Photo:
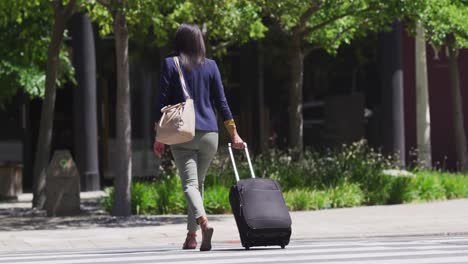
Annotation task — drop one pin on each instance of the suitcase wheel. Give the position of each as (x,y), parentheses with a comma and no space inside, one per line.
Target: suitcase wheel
(283,246)
(247,247)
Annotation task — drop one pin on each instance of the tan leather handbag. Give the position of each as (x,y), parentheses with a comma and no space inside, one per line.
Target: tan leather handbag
(177,123)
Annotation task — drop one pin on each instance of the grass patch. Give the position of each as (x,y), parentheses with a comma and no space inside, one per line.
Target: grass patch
(217,200)
(424,188)
(165,196)
(305,199)
(346,195)
(399,187)
(159,197)
(453,185)
(342,195)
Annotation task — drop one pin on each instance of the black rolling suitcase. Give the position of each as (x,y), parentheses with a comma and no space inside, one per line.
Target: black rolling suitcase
(259,209)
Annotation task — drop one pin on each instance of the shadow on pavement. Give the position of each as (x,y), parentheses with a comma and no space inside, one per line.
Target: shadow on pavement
(20,219)
(243,249)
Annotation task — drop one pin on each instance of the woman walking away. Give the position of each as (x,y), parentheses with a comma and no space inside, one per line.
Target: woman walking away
(192,158)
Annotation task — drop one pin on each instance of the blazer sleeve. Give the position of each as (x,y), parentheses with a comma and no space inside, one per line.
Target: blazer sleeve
(163,91)
(219,97)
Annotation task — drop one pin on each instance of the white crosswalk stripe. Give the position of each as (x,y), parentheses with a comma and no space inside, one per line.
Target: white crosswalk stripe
(446,250)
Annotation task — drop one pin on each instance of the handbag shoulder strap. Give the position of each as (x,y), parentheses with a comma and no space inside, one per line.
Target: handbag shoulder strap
(181,77)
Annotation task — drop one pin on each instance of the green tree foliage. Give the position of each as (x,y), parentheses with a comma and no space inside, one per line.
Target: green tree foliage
(223,23)
(446,26)
(26,33)
(446,22)
(140,15)
(325,24)
(33,52)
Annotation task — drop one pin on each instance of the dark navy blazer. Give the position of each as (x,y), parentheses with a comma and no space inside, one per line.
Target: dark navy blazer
(205,88)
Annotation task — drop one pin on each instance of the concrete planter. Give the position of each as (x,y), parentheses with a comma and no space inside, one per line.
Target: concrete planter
(63,186)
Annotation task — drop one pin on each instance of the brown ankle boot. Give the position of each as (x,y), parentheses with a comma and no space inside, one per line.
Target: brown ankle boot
(190,241)
(207,234)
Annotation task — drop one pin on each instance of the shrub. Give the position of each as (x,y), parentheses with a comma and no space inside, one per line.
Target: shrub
(424,188)
(304,199)
(221,172)
(217,200)
(350,175)
(108,199)
(456,186)
(280,167)
(342,195)
(346,195)
(354,163)
(297,200)
(164,196)
(400,187)
(358,163)
(143,198)
(158,197)
(169,196)
(321,200)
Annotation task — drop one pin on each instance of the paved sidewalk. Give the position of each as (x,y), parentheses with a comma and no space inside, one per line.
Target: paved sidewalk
(22,229)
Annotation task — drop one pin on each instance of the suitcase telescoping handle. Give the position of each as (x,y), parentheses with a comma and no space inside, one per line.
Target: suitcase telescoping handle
(234,162)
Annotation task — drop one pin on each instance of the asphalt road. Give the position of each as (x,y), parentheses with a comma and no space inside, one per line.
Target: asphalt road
(388,250)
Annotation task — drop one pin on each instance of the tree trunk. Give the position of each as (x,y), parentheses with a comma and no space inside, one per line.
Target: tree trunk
(295,98)
(123,173)
(423,117)
(457,110)
(47,115)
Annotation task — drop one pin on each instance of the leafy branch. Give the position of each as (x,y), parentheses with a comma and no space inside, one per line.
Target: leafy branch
(333,19)
(314,8)
(337,36)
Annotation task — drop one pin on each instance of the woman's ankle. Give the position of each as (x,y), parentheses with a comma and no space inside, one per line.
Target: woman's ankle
(203,222)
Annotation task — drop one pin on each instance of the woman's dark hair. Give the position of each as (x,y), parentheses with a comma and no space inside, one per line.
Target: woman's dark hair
(189,44)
